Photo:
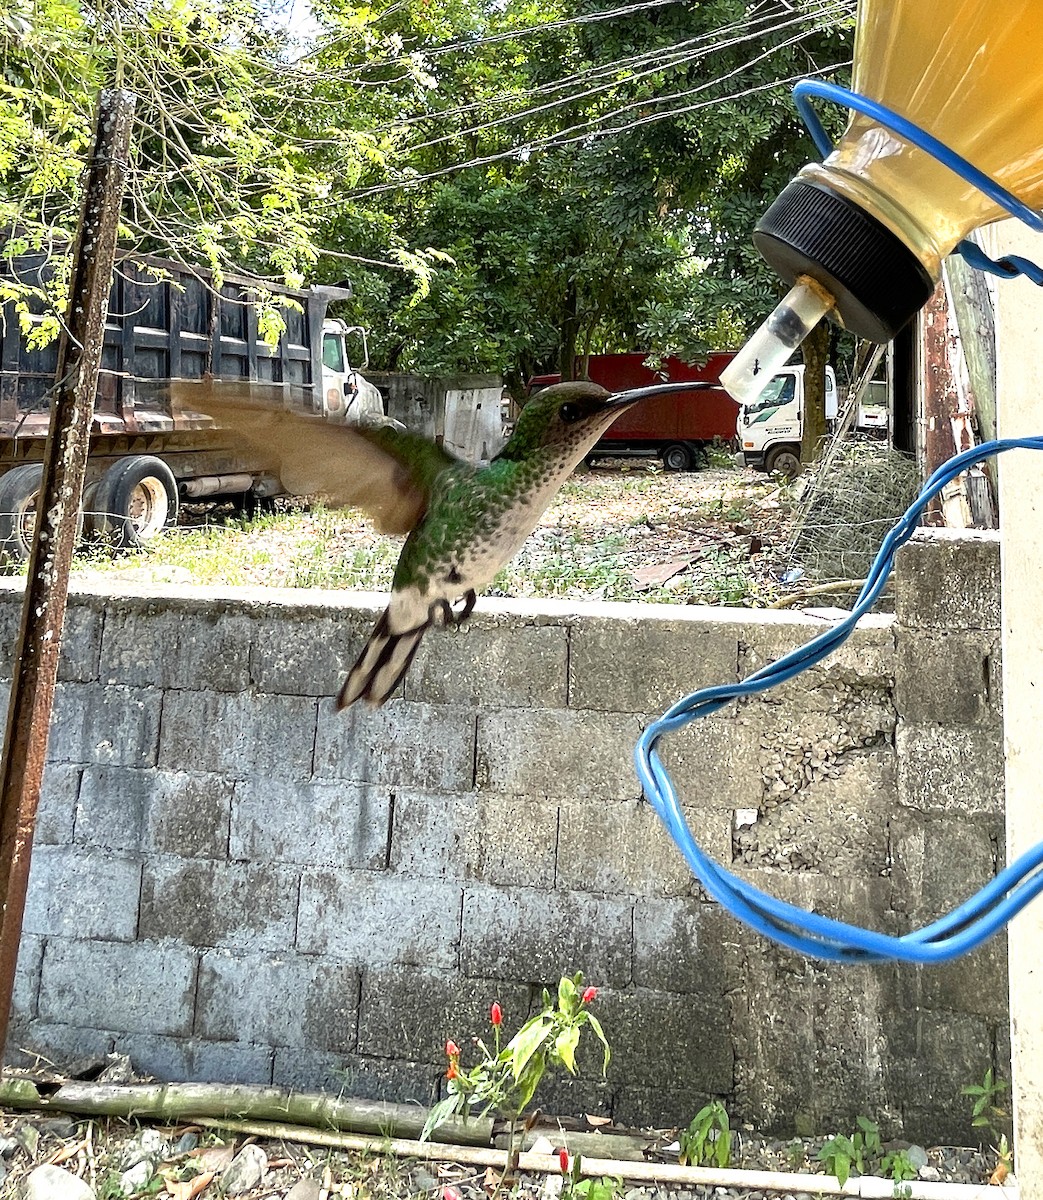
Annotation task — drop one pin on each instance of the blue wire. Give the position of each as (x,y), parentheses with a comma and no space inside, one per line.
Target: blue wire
(972,253)
(967,926)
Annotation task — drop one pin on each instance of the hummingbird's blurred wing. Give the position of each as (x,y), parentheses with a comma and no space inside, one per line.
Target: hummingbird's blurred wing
(385,471)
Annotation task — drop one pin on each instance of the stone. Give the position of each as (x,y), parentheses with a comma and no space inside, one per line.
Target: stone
(245,1171)
(55,1183)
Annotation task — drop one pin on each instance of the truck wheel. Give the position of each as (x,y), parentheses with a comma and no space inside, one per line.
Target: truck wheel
(676,457)
(784,459)
(19,489)
(135,500)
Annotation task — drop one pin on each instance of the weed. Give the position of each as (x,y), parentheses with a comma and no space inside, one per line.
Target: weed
(594,1187)
(843,1156)
(796,1155)
(988,1114)
(708,1139)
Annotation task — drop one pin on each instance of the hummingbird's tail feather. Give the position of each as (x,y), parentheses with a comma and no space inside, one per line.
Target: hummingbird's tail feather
(382,663)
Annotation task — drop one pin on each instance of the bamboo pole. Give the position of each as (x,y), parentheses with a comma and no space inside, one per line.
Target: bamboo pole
(869,1187)
(176,1101)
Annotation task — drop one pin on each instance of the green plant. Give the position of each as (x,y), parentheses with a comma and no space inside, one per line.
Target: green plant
(506,1076)
(840,1155)
(897,1165)
(988,1114)
(863,1150)
(796,1155)
(708,1139)
(593,1187)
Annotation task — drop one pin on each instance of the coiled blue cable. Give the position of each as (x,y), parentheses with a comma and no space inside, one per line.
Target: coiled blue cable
(810,933)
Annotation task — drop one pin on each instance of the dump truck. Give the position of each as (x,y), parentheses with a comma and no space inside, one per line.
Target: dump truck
(168,322)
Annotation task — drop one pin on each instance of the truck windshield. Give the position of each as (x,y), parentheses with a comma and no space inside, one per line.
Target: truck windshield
(778,392)
(333,351)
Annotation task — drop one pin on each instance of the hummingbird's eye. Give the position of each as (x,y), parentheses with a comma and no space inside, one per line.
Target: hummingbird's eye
(570,413)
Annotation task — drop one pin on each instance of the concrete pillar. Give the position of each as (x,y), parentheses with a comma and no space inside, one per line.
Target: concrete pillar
(1019,334)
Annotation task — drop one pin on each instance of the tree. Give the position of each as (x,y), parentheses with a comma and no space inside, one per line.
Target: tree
(617,167)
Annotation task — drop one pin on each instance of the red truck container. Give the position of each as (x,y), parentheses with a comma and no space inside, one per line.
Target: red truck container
(676,427)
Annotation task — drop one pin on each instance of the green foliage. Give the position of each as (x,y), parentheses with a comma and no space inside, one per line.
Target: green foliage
(505,1077)
(593,1187)
(708,1139)
(863,1152)
(987,1113)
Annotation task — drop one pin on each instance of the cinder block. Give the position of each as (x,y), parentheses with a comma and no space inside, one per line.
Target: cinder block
(159,811)
(60,1044)
(975,983)
(408,1014)
(177,1060)
(685,946)
(944,678)
(474,836)
(492,659)
(375,920)
(933,1056)
(676,1043)
(117,725)
(81,641)
(188,814)
(949,579)
(646,661)
(357,1076)
(316,822)
(204,647)
(277,1000)
(81,634)
(939,863)
(420,746)
(27,977)
(306,650)
(56,815)
(557,753)
(238,735)
(714,763)
(136,987)
(85,893)
(866,658)
(524,934)
(248,906)
(950,771)
(618,848)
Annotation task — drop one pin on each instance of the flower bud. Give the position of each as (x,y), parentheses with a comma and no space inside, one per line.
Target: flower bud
(452,1050)
(496,1014)
(452,1072)
(589,994)
(563,1160)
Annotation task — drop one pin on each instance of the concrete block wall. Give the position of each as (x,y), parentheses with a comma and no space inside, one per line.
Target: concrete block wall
(232,881)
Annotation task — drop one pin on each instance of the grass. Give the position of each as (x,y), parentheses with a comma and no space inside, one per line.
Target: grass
(601,528)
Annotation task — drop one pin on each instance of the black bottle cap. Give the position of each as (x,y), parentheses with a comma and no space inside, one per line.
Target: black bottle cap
(876,280)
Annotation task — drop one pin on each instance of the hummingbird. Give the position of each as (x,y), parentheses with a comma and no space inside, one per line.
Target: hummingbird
(462,522)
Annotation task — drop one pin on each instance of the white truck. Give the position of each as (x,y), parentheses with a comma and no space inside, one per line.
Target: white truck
(769,431)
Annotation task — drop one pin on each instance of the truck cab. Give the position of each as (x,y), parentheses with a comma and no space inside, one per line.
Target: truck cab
(347,398)
(769,431)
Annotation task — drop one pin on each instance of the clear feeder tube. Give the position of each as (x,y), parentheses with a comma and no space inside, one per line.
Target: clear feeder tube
(751,370)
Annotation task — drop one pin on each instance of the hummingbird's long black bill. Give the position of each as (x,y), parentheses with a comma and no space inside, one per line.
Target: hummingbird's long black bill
(633,395)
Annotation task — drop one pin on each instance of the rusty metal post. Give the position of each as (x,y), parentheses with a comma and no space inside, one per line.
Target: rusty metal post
(65,459)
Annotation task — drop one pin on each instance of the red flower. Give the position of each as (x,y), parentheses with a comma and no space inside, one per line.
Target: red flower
(452,1072)
(590,993)
(496,1014)
(452,1050)
(563,1159)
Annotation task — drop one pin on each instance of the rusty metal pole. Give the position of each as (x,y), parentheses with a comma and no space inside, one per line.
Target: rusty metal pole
(65,459)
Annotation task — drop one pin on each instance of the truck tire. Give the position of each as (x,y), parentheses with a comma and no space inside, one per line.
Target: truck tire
(676,457)
(19,489)
(135,500)
(784,459)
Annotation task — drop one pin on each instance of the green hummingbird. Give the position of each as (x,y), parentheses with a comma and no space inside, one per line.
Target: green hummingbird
(463,522)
